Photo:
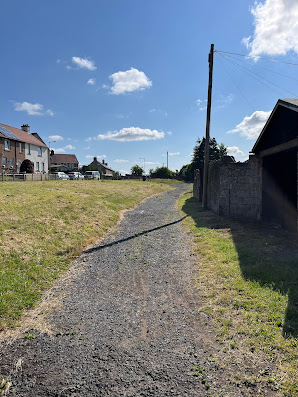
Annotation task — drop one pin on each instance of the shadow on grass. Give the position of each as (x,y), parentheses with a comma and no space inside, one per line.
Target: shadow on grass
(100,247)
(266,255)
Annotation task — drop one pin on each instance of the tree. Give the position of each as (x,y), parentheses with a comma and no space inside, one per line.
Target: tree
(186,172)
(116,175)
(136,170)
(216,152)
(162,172)
(27,166)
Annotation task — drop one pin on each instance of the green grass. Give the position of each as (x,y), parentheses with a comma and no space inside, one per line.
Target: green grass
(170,181)
(44,225)
(248,280)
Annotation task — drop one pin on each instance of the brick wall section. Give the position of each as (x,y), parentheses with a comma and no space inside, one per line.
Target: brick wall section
(13,153)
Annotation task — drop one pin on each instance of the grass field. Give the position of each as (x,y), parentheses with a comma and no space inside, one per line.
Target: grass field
(44,225)
(248,279)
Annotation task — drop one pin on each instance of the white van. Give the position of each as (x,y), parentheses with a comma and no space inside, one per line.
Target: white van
(92,175)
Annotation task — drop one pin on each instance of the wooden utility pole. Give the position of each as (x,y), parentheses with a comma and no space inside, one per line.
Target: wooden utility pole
(167,159)
(206,154)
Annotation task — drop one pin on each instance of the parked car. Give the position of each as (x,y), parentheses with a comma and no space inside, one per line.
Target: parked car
(92,175)
(75,175)
(59,175)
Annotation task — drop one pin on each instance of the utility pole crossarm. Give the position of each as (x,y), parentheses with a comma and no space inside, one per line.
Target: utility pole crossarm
(206,154)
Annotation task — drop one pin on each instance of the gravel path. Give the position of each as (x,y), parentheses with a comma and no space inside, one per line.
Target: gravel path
(128,323)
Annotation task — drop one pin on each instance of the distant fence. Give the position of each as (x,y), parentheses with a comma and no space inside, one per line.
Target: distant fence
(23,177)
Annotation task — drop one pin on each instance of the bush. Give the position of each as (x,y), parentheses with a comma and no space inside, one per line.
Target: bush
(27,166)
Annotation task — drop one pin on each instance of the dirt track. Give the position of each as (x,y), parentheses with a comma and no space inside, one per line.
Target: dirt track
(127,325)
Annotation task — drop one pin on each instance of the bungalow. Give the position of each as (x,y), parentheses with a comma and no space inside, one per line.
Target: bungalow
(17,145)
(102,167)
(63,162)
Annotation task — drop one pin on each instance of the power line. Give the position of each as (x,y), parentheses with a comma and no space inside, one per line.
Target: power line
(253,73)
(253,109)
(261,67)
(256,57)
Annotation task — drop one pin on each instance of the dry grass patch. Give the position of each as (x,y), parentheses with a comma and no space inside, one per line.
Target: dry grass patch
(248,280)
(44,225)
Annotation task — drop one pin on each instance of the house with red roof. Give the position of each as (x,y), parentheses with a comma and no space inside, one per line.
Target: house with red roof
(17,145)
(101,166)
(63,162)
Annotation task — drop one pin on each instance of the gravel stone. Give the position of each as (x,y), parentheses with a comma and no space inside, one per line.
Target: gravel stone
(129,323)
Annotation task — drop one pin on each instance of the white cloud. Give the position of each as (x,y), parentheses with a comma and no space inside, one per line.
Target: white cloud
(223,101)
(174,154)
(89,139)
(121,161)
(132,134)
(276,28)
(33,109)
(152,162)
(59,150)
(123,116)
(123,172)
(56,138)
(128,81)
(91,82)
(163,112)
(202,104)
(49,112)
(251,126)
(234,151)
(84,63)
(89,156)
(64,149)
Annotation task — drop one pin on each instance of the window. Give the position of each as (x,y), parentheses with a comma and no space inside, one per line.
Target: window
(20,147)
(29,149)
(39,151)
(37,166)
(42,167)
(11,163)
(6,144)
(4,162)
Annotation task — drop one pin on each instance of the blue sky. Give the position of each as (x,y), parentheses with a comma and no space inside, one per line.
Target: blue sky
(127,80)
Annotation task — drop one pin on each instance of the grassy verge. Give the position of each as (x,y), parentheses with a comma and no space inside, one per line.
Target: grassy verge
(171,181)
(248,279)
(44,225)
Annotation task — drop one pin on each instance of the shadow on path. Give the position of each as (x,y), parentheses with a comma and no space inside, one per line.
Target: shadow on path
(97,248)
(268,256)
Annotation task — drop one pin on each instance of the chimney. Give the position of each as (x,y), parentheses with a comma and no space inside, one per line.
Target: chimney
(103,161)
(26,128)
(94,158)
(52,153)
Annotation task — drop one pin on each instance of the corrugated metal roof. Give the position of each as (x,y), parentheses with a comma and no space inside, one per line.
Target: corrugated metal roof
(292,101)
(4,131)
